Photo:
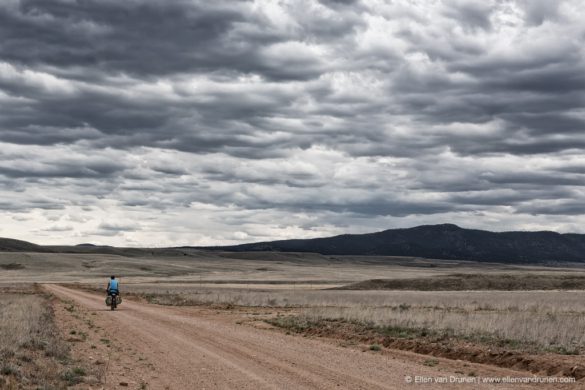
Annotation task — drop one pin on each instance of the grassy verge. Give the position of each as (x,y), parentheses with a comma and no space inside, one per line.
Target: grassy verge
(367,332)
(482,348)
(32,353)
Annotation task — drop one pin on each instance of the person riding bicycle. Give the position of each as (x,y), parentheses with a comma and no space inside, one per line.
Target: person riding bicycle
(113,286)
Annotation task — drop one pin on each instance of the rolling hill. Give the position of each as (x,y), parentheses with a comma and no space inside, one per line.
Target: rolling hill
(10,245)
(444,241)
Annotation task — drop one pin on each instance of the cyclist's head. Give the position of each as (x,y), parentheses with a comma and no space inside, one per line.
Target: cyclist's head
(112,277)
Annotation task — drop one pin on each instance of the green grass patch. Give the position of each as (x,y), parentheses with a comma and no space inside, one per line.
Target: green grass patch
(430,362)
(73,376)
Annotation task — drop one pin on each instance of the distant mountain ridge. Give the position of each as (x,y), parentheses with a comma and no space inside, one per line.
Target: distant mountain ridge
(446,241)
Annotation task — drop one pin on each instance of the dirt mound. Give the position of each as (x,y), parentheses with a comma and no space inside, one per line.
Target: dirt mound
(548,364)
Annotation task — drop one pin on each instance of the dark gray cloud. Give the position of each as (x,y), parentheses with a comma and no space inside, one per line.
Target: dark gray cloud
(181,122)
(147,38)
(471,15)
(70,169)
(155,38)
(539,11)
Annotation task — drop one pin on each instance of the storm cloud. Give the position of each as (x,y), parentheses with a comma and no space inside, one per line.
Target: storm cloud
(184,122)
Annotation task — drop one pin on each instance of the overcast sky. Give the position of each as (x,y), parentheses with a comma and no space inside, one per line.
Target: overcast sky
(184,122)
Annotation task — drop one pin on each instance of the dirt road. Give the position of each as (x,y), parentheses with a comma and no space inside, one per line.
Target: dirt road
(189,348)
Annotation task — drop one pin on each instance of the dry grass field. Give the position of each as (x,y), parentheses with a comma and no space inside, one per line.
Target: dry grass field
(32,353)
(247,268)
(538,320)
(533,320)
(471,310)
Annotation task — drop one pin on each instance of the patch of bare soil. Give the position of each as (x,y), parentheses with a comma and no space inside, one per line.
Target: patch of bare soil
(451,348)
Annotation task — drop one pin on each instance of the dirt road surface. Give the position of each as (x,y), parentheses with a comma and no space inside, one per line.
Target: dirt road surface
(160,347)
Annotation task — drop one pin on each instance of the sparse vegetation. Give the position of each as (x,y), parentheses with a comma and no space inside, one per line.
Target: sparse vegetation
(31,350)
(9,369)
(430,362)
(73,376)
(521,328)
(375,347)
(12,266)
(480,348)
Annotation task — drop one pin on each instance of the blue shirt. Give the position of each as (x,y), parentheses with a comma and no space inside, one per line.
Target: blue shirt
(113,285)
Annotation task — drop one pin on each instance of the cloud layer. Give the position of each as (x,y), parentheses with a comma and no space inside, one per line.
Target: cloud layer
(195,122)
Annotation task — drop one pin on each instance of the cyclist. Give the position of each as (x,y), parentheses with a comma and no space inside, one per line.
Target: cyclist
(113,286)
